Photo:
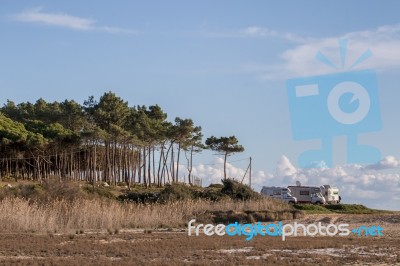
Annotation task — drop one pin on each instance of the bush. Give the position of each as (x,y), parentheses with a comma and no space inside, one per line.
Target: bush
(230,189)
(99,191)
(238,191)
(140,197)
(56,189)
(26,191)
(213,194)
(174,192)
(220,186)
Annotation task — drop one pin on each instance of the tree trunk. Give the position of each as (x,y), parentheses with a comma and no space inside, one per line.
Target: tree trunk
(226,155)
(177,161)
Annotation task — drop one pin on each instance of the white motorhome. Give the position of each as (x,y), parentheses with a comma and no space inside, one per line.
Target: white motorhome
(331,194)
(279,193)
(305,194)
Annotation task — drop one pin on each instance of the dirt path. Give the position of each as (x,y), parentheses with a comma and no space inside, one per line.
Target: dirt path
(136,247)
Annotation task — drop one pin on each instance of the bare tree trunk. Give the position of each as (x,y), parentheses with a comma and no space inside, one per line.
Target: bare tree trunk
(226,155)
(149,166)
(190,168)
(177,161)
(139,165)
(172,164)
(144,167)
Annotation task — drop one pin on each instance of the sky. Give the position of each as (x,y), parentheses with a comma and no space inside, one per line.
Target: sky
(224,64)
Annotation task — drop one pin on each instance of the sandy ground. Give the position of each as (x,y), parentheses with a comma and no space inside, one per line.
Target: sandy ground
(175,247)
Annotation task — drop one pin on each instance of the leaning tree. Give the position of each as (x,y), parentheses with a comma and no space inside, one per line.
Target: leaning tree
(224,145)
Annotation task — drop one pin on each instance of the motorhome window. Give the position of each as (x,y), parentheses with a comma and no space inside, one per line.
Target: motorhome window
(277,192)
(305,193)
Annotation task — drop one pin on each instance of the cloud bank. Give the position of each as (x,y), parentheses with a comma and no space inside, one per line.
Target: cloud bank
(370,185)
(383,42)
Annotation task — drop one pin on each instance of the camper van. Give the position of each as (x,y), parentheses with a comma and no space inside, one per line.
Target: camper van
(331,194)
(279,193)
(305,194)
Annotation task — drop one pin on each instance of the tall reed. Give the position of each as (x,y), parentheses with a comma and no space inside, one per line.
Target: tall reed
(18,214)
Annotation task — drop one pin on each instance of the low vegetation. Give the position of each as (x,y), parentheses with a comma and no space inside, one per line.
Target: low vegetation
(337,208)
(230,189)
(56,206)
(60,206)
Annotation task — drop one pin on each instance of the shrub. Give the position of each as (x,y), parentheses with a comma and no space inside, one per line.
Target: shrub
(216,186)
(140,197)
(174,192)
(213,194)
(26,191)
(238,191)
(56,189)
(99,191)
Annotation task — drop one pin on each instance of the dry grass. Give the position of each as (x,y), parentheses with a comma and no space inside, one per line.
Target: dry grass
(100,214)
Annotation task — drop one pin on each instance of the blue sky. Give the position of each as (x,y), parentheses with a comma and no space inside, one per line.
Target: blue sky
(222,63)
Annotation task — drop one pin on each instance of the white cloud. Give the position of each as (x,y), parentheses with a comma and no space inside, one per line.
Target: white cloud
(386,163)
(36,15)
(384,42)
(357,184)
(253,32)
(214,173)
(285,167)
(258,31)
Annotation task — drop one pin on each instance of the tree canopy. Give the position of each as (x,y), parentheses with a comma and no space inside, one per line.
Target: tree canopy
(224,145)
(103,140)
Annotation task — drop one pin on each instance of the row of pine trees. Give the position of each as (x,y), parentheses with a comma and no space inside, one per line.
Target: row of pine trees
(102,140)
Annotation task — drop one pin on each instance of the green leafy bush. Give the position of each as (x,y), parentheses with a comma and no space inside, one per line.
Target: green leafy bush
(238,191)
(174,192)
(140,197)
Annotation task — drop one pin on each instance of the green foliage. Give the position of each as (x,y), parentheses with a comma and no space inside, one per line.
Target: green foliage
(350,208)
(214,193)
(238,191)
(11,131)
(53,131)
(177,191)
(141,196)
(174,192)
(336,208)
(104,136)
(225,145)
(99,191)
(220,186)
(309,208)
(111,111)
(29,191)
